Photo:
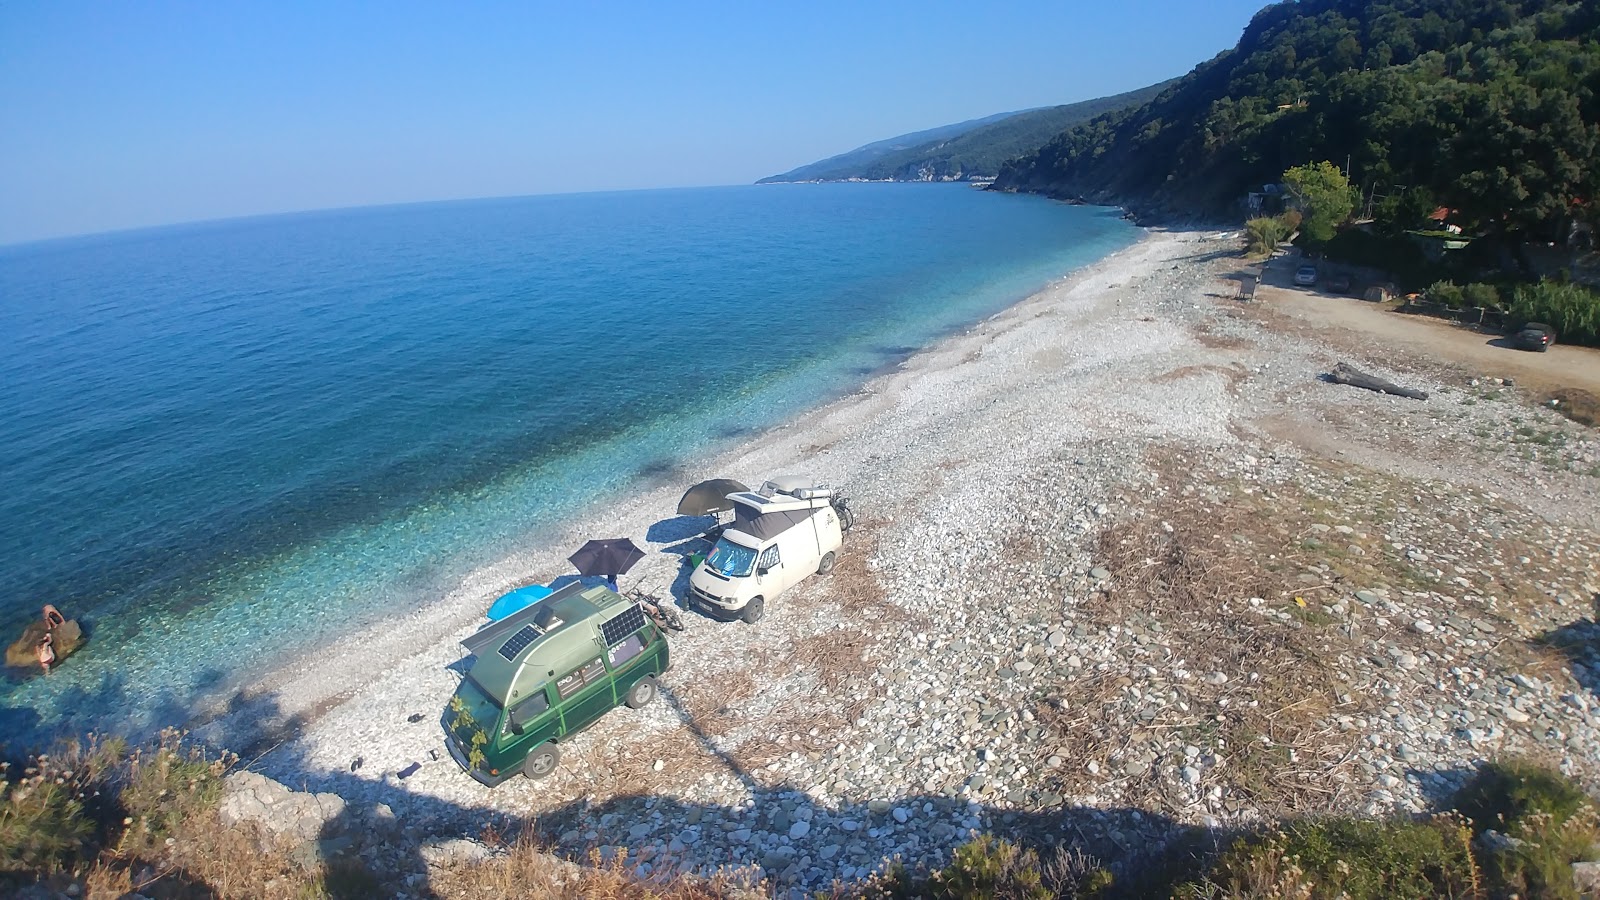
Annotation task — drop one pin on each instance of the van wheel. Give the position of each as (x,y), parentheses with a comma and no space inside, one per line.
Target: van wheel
(643,691)
(828,561)
(541,762)
(753,610)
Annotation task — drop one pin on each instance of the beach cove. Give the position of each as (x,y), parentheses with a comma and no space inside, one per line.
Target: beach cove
(991,654)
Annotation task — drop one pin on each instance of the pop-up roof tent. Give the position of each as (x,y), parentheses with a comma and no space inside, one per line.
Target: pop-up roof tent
(781,504)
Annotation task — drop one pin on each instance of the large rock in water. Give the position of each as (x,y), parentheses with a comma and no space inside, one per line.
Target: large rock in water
(251,797)
(65,639)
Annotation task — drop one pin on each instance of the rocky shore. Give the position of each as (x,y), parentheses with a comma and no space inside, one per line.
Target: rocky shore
(1125,565)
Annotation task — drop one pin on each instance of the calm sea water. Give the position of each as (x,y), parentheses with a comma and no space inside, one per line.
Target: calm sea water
(222,438)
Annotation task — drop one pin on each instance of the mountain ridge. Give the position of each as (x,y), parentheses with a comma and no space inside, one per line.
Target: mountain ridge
(963,151)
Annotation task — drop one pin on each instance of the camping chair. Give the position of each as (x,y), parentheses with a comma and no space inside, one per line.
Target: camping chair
(1247,288)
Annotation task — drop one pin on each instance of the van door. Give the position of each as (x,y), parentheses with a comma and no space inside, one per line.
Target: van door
(770,572)
(531,717)
(799,552)
(585,694)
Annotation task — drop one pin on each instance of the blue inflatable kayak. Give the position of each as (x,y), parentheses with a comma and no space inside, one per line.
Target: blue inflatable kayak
(521,598)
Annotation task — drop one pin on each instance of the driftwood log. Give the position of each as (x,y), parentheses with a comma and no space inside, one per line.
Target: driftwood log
(1346,374)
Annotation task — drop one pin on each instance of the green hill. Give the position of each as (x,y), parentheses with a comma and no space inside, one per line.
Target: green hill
(1489,106)
(962,152)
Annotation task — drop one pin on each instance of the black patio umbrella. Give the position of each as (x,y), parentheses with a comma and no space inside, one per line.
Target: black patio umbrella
(610,557)
(709,497)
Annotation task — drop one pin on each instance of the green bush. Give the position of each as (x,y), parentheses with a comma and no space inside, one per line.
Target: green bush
(1571,309)
(42,821)
(164,785)
(1535,857)
(989,867)
(1263,235)
(1480,294)
(1349,858)
(1504,792)
(1447,293)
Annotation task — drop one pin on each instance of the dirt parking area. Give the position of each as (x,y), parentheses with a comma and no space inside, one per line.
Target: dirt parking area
(1487,353)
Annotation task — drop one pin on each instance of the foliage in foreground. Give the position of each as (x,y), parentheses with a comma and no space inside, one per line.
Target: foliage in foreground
(114,819)
(1515,831)
(1571,309)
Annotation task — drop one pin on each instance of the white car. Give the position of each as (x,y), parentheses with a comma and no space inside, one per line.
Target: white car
(1305,276)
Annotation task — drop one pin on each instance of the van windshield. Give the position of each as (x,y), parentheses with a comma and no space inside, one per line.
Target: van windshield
(472,710)
(731,560)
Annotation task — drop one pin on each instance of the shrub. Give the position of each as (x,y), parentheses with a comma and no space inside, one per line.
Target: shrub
(989,867)
(1447,293)
(1535,857)
(1480,294)
(41,822)
(1505,792)
(1350,858)
(1291,220)
(1572,309)
(1263,235)
(166,785)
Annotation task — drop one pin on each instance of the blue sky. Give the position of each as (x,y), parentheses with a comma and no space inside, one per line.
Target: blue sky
(117,115)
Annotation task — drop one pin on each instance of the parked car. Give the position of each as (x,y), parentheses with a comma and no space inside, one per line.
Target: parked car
(1534,336)
(546,672)
(1305,276)
(1339,284)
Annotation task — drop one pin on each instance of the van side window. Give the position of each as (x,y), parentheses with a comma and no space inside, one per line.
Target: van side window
(620,654)
(574,682)
(769,558)
(528,710)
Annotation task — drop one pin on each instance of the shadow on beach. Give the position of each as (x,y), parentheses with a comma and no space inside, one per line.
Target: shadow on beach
(387,837)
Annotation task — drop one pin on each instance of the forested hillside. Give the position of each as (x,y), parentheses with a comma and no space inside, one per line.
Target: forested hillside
(965,151)
(1489,107)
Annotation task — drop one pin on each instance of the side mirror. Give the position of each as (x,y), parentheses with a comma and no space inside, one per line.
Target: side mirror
(763,570)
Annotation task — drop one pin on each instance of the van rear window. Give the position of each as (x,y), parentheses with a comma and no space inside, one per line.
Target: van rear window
(628,649)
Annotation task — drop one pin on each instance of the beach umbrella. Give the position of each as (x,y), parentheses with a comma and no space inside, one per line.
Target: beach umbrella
(709,497)
(610,557)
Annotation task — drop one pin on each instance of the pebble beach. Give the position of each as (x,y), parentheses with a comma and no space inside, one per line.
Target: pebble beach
(1123,565)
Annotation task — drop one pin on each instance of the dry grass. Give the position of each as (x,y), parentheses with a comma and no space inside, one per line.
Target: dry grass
(1246,576)
(1577,404)
(1234,375)
(1184,568)
(526,869)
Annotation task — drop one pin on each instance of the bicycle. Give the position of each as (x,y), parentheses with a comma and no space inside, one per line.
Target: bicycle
(662,613)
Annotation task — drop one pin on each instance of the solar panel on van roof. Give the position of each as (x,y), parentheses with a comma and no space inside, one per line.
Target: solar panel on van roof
(519,642)
(618,628)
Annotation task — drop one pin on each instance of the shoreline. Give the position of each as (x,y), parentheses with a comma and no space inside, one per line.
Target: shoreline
(236,719)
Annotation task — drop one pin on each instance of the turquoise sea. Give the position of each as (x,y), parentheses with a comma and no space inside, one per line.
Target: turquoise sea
(221,441)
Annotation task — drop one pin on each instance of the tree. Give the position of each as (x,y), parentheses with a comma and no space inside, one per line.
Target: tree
(1324,197)
(1263,235)
(1403,211)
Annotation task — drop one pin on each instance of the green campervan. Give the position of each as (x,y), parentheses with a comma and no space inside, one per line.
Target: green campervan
(544,673)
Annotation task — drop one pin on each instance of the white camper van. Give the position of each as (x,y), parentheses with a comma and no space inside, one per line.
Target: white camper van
(780,534)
